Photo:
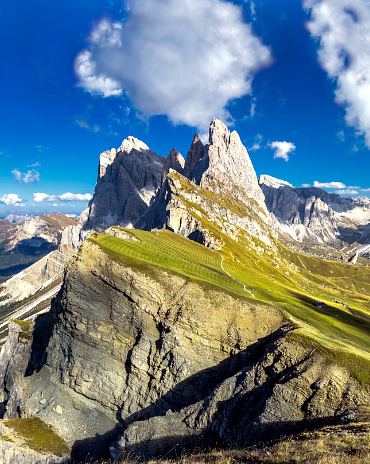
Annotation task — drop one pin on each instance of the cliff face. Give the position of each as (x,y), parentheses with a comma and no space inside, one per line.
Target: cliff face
(163,359)
(229,165)
(127,180)
(36,277)
(314,215)
(217,185)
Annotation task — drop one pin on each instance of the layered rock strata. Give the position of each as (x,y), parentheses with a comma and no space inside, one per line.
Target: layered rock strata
(314,215)
(127,180)
(145,352)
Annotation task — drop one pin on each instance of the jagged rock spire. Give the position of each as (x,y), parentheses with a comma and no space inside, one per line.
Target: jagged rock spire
(174,161)
(195,154)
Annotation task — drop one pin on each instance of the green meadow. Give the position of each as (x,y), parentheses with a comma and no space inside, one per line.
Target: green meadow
(290,280)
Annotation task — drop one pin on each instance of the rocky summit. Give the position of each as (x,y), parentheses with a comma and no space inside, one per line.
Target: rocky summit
(199,327)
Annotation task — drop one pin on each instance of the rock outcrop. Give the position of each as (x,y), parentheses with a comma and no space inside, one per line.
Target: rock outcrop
(314,215)
(229,166)
(127,181)
(36,277)
(142,354)
(174,161)
(285,387)
(221,187)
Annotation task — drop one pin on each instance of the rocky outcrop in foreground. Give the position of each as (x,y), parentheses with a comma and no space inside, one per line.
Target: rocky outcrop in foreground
(154,360)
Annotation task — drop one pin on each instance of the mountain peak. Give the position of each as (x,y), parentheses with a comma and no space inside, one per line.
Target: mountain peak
(174,161)
(273,182)
(229,164)
(131,143)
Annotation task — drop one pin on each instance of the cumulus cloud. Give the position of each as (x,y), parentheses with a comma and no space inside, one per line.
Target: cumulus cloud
(26,177)
(282,149)
(186,60)
(11,199)
(40,197)
(329,185)
(306,185)
(342,29)
(346,192)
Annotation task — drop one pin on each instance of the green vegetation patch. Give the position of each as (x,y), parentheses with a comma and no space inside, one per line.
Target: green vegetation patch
(248,268)
(38,436)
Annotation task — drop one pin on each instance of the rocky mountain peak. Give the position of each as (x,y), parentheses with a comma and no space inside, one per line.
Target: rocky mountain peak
(132,143)
(195,154)
(174,161)
(127,181)
(273,182)
(105,159)
(229,164)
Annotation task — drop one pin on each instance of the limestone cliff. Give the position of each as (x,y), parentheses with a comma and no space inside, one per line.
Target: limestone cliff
(36,277)
(164,359)
(127,180)
(217,185)
(314,215)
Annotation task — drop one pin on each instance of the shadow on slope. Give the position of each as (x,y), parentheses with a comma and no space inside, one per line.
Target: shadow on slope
(236,418)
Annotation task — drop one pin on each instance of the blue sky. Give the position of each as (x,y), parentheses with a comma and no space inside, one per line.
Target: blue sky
(77,77)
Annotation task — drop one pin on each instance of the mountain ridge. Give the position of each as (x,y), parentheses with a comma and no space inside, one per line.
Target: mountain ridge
(158,343)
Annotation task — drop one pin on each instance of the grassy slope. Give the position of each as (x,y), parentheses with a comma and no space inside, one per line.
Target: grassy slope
(250,269)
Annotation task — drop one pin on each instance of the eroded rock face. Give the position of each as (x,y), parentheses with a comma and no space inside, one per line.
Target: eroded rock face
(285,387)
(314,215)
(174,161)
(187,209)
(229,165)
(37,276)
(160,360)
(219,186)
(127,181)
(128,345)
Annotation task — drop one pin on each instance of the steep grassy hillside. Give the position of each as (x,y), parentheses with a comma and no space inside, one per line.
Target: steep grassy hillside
(280,277)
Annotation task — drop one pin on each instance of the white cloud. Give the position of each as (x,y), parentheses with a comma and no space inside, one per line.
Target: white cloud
(282,149)
(17,174)
(26,177)
(186,60)
(342,28)
(40,197)
(329,185)
(256,146)
(11,199)
(306,185)
(346,192)
(75,197)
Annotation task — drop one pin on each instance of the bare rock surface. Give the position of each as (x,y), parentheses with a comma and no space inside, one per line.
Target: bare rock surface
(37,276)
(274,395)
(229,165)
(127,181)
(219,183)
(314,215)
(174,161)
(162,361)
